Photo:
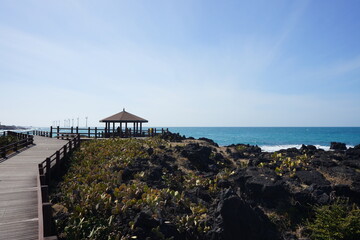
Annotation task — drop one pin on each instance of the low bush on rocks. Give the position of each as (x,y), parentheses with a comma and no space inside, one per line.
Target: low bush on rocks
(338,221)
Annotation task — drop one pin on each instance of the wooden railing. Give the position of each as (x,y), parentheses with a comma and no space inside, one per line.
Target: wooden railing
(49,169)
(24,140)
(67,133)
(40,133)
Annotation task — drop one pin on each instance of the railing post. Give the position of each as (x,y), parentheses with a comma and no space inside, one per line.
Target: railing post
(41,169)
(48,169)
(44,193)
(51,131)
(41,175)
(95,132)
(70,146)
(65,150)
(57,132)
(78,140)
(15,147)
(89,132)
(47,212)
(57,161)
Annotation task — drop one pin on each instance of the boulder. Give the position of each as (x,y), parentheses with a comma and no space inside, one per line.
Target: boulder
(265,188)
(143,225)
(261,184)
(209,141)
(353,152)
(172,137)
(238,220)
(155,174)
(310,149)
(170,231)
(199,156)
(150,151)
(312,177)
(243,150)
(337,146)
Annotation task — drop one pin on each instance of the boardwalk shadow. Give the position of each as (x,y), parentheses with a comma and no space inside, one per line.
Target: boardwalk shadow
(13,154)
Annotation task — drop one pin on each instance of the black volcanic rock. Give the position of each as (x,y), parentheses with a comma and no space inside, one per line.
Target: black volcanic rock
(199,156)
(312,177)
(337,146)
(238,220)
(209,141)
(172,137)
(309,149)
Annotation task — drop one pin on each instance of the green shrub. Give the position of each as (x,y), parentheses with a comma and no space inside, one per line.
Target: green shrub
(287,165)
(6,140)
(337,221)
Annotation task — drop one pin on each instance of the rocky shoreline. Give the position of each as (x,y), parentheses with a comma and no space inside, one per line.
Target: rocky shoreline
(231,192)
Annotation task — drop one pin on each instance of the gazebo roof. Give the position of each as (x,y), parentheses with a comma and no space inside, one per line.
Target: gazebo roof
(123,117)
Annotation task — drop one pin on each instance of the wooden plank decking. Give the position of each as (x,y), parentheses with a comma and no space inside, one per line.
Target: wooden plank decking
(18,189)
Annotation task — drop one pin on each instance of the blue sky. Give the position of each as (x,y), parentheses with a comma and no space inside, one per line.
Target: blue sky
(181,63)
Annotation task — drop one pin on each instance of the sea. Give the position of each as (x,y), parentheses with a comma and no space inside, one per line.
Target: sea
(272,139)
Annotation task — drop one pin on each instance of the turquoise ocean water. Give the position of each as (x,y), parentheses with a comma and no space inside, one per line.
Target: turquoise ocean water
(273,138)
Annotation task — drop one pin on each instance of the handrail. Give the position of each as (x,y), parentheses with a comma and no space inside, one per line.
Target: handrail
(25,140)
(65,133)
(41,133)
(47,170)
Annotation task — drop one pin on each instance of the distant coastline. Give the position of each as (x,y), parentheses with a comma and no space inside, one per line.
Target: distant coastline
(13,127)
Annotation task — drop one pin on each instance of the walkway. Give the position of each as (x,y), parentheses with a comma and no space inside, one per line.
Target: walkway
(18,190)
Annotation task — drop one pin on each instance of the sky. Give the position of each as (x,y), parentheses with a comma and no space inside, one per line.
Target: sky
(181,63)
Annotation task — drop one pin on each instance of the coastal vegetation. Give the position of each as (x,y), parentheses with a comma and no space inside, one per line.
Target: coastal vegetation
(337,221)
(6,140)
(178,188)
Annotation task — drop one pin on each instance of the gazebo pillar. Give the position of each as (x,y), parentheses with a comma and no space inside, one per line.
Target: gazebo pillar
(120,129)
(140,128)
(126,130)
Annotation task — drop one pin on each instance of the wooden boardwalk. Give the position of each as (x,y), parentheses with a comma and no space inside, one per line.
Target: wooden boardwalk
(18,190)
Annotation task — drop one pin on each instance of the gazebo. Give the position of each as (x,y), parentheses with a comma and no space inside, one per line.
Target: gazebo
(123,117)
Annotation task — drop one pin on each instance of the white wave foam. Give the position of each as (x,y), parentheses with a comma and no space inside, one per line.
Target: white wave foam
(274,148)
